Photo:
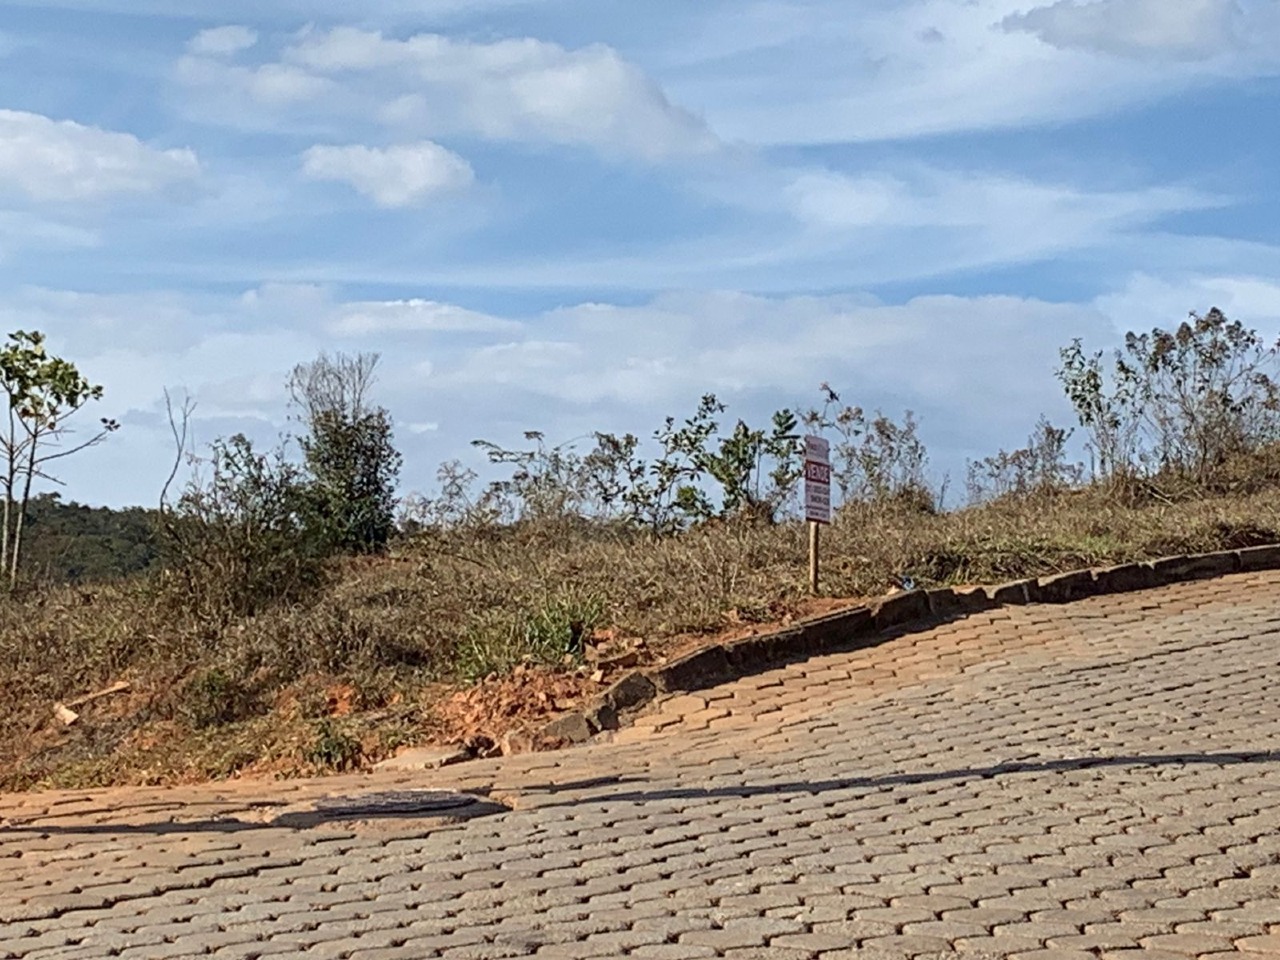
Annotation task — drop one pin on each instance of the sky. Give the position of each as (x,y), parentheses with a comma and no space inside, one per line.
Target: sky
(581,215)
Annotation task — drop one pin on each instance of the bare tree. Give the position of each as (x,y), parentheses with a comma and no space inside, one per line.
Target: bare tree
(334,384)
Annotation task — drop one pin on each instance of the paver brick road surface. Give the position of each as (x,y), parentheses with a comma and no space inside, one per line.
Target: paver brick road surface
(1091,780)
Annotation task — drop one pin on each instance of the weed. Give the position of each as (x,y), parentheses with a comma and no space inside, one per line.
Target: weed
(212,697)
(1176,403)
(552,632)
(1039,469)
(332,747)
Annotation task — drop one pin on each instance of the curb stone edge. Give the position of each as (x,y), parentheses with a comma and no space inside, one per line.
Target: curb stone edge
(870,625)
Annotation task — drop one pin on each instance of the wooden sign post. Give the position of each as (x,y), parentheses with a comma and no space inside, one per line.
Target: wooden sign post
(815,539)
(817,498)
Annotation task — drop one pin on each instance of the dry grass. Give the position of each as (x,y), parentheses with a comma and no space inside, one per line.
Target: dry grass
(365,664)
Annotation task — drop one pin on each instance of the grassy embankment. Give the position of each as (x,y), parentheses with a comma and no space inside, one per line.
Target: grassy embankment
(397,650)
(255,643)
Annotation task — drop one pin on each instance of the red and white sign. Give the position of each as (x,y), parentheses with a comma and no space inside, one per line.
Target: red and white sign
(817,479)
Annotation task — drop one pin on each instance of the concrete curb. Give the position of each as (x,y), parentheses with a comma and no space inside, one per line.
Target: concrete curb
(869,626)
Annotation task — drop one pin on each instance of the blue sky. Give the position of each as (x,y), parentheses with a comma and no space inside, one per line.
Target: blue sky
(565,215)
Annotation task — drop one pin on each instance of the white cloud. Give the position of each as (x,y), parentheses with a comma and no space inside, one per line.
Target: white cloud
(283,11)
(137,344)
(1190,29)
(508,90)
(287,303)
(223,41)
(276,84)
(814,228)
(21,230)
(163,325)
(678,345)
(51,160)
(835,200)
(388,316)
(567,371)
(395,177)
(1147,300)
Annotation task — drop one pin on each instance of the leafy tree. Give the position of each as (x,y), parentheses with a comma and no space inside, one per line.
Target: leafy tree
(348,451)
(1108,411)
(738,464)
(671,495)
(547,483)
(611,470)
(1208,391)
(44,393)
(755,470)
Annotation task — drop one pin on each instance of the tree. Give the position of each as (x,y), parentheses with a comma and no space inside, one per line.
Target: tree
(738,464)
(44,393)
(348,451)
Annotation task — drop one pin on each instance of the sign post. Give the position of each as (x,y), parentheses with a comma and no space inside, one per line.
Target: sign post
(817,498)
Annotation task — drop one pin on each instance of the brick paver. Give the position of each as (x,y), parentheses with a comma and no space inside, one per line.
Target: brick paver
(1094,780)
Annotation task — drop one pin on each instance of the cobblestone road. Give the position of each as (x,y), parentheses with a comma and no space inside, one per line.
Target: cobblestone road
(1059,782)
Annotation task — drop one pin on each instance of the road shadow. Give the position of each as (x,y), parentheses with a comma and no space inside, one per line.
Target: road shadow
(484,807)
(959,774)
(246,822)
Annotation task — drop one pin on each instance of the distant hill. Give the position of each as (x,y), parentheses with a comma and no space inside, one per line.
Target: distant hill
(74,543)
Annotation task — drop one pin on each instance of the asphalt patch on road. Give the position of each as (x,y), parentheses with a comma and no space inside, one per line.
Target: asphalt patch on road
(391,807)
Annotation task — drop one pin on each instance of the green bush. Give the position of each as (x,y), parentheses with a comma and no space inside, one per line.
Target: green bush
(239,539)
(332,747)
(350,460)
(213,697)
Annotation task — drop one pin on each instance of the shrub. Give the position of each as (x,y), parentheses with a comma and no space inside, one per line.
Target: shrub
(1038,469)
(1178,403)
(213,697)
(874,459)
(550,632)
(332,747)
(238,538)
(696,476)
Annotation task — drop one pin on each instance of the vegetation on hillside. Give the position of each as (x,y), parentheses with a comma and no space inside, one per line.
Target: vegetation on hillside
(286,626)
(78,544)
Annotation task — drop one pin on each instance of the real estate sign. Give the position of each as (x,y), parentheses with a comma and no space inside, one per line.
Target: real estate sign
(817,480)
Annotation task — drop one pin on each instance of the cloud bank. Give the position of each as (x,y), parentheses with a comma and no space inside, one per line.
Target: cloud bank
(432,85)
